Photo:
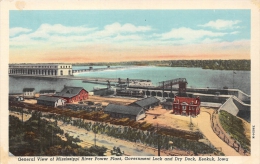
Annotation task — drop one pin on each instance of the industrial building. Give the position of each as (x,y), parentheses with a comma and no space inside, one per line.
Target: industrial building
(122,111)
(72,94)
(47,92)
(146,103)
(51,101)
(41,69)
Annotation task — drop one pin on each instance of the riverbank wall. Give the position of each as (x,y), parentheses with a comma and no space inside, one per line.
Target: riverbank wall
(237,108)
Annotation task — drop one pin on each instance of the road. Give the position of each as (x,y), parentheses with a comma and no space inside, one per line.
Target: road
(203,122)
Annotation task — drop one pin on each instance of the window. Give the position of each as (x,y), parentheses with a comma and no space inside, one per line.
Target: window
(61,72)
(183,107)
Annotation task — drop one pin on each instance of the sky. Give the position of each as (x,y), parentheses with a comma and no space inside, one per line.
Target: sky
(83,36)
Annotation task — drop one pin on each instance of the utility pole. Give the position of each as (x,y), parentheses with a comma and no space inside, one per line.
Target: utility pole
(190,119)
(22,115)
(158,142)
(95,130)
(95,139)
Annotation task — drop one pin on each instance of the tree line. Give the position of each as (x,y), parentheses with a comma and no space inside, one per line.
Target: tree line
(205,64)
(214,64)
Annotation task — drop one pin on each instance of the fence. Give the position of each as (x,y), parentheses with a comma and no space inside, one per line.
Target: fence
(219,131)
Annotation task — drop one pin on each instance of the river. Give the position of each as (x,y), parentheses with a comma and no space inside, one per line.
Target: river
(196,77)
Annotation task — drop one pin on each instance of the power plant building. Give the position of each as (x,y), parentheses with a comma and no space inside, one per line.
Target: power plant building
(41,69)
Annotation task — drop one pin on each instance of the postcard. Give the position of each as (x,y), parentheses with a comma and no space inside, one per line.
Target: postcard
(129,81)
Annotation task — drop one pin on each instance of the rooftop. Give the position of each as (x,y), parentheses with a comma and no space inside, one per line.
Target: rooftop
(131,110)
(69,91)
(48,98)
(47,91)
(28,89)
(146,101)
(187,100)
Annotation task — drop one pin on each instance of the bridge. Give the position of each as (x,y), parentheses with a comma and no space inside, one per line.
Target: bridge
(92,69)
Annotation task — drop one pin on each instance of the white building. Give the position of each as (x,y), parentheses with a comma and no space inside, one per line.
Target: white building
(29,93)
(41,69)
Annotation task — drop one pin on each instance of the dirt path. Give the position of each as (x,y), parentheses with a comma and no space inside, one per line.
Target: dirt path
(205,127)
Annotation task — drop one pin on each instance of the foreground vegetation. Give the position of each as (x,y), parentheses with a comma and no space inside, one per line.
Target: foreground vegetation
(39,137)
(150,138)
(234,127)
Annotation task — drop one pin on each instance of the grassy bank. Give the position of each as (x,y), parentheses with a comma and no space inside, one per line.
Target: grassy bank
(234,126)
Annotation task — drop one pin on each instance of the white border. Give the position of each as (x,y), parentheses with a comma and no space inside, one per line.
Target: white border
(6,5)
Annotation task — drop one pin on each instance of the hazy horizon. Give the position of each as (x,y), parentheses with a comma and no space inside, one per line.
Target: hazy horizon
(122,61)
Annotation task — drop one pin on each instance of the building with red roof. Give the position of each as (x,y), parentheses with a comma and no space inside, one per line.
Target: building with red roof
(186,106)
(72,94)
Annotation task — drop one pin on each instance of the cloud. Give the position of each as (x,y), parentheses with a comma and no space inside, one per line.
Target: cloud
(187,35)
(117,28)
(234,33)
(127,37)
(208,40)
(222,24)
(121,35)
(47,30)
(17,30)
(59,34)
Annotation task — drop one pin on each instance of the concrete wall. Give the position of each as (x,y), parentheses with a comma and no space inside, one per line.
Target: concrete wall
(242,106)
(211,98)
(230,107)
(240,95)
(237,108)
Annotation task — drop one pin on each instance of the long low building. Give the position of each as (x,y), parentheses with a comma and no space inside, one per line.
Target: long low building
(51,101)
(47,92)
(122,111)
(41,69)
(146,103)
